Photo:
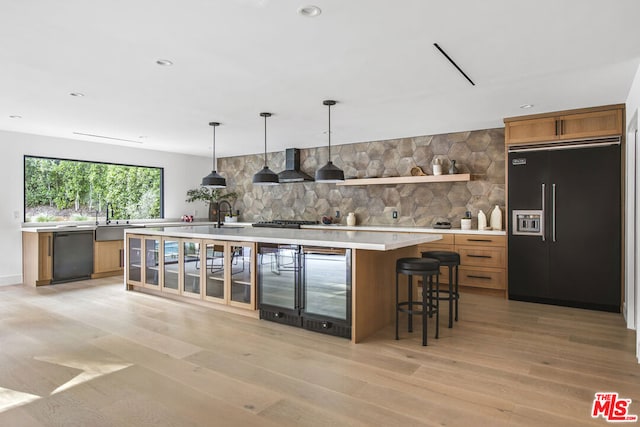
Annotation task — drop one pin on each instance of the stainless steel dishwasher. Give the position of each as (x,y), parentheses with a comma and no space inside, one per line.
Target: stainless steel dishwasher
(72,255)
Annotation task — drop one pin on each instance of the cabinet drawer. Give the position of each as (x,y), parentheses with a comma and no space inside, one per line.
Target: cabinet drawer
(431,247)
(447,239)
(479,240)
(482,277)
(482,257)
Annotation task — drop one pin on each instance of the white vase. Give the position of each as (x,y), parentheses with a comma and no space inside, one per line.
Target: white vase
(482,220)
(496,218)
(351,219)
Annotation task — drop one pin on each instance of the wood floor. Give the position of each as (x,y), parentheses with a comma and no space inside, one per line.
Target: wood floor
(92,354)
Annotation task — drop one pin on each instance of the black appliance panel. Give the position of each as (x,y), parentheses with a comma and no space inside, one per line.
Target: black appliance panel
(578,263)
(528,255)
(72,256)
(584,229)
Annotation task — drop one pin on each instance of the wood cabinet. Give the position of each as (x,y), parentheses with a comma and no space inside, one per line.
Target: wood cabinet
(108,258)
(37,258)
(567,125)
(134,259)
(216,271)
(482,259)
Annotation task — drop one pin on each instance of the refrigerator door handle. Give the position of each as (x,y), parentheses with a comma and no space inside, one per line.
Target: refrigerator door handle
(553,212)
(542,216)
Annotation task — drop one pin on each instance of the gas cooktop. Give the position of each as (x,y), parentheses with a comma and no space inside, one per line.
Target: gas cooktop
(284,223)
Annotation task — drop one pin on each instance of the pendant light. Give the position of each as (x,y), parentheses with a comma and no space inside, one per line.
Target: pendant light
(214,180)
(329,173)
(265,176)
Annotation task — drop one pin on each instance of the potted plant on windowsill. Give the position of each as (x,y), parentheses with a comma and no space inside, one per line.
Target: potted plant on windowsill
(212,196)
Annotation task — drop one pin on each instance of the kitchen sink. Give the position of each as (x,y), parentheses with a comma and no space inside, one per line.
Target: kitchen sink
(112,232)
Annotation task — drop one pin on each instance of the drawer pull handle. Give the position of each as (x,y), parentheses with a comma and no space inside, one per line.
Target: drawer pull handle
(479,240)
(479,256)
(471,276)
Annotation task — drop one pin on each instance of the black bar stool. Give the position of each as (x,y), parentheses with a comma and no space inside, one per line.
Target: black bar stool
(427,268)
(452,260)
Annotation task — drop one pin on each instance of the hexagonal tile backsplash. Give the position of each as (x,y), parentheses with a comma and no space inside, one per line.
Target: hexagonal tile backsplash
(480,153)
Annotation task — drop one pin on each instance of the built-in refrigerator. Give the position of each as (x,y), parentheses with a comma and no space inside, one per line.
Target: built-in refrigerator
(306,286)
(564,224)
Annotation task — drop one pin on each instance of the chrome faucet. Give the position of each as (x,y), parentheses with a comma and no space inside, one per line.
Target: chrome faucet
(109,205)
(220,211)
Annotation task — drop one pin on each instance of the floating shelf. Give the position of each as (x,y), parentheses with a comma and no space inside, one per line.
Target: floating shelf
(408,179)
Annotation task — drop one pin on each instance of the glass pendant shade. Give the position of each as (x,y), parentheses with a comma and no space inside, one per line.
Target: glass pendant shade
(214,179)
(329,173)
(265,176)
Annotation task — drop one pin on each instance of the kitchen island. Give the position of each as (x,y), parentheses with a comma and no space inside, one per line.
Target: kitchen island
(175,262)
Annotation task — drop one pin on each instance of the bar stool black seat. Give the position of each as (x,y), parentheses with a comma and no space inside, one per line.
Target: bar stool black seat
(452,260)
(427,268)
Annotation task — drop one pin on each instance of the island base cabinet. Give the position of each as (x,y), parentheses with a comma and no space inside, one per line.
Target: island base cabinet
(211,271)
(170,266)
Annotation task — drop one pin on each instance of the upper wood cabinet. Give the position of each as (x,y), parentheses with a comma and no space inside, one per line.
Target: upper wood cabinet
(565,125)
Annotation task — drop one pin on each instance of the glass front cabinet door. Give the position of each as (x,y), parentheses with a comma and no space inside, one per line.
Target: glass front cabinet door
(134,260)
(241,262)
(215,272)
(151,262)
(191,268)
(170,278)
(229,271)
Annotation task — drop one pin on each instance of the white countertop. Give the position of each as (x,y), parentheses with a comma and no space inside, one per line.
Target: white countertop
(90,227)
(328,236)
(336,227)
(404,229)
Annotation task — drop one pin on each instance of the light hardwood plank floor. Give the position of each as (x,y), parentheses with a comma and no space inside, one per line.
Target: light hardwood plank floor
(92,354)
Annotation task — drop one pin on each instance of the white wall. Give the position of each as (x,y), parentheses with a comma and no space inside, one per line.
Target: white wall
(181,172)
(633,198)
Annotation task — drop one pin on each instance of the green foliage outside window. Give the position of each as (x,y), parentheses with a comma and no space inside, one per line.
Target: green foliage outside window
(70,190)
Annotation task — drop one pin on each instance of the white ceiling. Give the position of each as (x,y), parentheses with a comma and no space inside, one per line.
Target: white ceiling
(234,59)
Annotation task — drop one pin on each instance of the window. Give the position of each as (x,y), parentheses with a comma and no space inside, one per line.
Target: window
(75,190)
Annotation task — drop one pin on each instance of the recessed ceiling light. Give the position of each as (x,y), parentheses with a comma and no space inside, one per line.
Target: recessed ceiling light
(526,106)
(309,11)
(164,62)
(77,94)
(15,117)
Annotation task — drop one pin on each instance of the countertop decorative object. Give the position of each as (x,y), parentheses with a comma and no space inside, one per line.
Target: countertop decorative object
(496,218)
(351,219)
(482,220)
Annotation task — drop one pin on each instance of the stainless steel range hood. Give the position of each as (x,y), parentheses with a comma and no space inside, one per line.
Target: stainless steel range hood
(292,172)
